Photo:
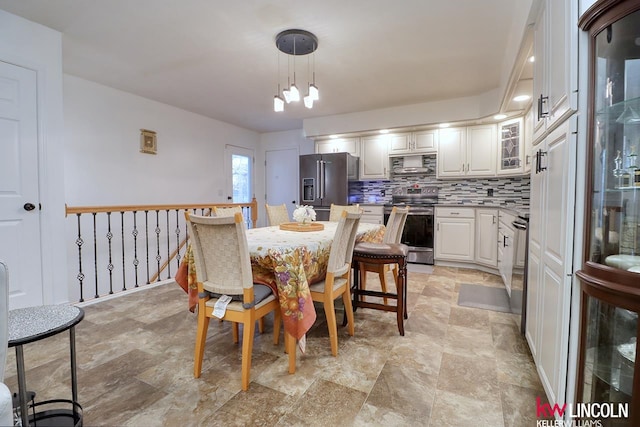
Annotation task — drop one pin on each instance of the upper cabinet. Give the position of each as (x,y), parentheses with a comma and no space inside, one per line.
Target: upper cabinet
(467,152)
(374,157)
(339,145)
(510,147)
(423,142)
(555,80)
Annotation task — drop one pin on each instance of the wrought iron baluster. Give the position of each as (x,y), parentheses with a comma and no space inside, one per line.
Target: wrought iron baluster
(168,249)
(79,243)
(95,255)
(135,247)
(124,279)
(146,238)
(110,264)
(177,239)
(157,230)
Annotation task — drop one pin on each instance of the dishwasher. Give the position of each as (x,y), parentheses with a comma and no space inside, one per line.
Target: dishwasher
(518,295)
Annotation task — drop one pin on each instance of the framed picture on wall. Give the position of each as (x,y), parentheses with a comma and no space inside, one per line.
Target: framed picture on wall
(148,141)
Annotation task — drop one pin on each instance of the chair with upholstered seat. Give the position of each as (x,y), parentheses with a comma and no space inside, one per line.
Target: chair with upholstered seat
(337,281)
(223,267)
(6,406)
(392,234)
(277,214)
(335,211)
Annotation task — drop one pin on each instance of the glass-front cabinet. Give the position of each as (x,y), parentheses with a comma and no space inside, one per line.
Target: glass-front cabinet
(610,277)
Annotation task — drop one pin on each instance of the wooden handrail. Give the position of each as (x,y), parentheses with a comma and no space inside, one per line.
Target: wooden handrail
(142,208)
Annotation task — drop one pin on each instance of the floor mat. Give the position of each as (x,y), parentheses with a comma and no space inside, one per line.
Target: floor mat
(485,297)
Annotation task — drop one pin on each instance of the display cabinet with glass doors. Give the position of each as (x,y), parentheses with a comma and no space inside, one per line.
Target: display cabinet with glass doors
(610,276)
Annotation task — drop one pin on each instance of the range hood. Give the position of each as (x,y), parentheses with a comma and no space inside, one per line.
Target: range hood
(412,165)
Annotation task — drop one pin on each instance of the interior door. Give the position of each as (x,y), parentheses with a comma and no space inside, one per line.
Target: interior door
(282,180)
(19,197)
(239,174)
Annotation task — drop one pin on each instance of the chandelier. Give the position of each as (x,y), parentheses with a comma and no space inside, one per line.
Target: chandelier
(296,43)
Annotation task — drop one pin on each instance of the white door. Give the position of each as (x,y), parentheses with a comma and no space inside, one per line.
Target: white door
(281,170)
(239,174)
(19,199)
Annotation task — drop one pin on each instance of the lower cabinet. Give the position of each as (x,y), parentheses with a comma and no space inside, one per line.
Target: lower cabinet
(372,214)
(486,237)
(455,234)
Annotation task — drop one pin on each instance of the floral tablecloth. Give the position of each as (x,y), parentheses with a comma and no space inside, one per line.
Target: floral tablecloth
(287,261)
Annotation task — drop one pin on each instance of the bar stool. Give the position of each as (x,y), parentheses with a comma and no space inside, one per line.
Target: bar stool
(382,253)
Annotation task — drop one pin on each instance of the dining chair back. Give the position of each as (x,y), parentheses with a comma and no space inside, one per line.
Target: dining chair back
(277,214)
(337,281)
(230,211)
(395,225)
(392,234)
(335,211)
(223,267)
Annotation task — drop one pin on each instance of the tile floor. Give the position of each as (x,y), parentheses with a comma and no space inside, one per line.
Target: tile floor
(455,366)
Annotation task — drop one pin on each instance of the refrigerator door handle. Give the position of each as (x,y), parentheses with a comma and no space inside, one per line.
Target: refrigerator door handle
(317,179)
(322,165)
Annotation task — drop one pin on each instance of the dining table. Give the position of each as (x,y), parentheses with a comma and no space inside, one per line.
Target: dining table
(288,262)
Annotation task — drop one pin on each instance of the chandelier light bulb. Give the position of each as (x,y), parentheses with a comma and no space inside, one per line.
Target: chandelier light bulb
(287,95)
(308,101)
(294,93)
(278,104)
(313,92)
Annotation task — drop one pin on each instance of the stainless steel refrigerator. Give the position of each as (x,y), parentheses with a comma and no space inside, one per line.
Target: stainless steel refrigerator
(324,179)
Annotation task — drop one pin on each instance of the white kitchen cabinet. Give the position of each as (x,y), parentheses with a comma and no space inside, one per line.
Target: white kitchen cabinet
(550,266)
(374,157)
(527,135)
(372,214)
(486,249)
(555,71)
(510,147)
(455,234)
(339,145)
(422,142)
(467,152)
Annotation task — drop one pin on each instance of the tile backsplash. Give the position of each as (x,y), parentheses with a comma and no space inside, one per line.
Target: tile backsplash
(507,192)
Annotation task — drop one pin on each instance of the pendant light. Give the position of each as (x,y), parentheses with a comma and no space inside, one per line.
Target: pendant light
(295,43)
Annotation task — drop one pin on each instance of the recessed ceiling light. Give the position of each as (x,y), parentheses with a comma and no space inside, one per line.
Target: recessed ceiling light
(384,130)
(333,136)
(532,58)
(444,125)
(521,98)
(500,116)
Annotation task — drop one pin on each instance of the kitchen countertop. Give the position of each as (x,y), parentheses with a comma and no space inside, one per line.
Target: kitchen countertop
(520,211)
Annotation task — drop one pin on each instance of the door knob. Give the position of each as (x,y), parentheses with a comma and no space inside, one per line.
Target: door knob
(29,206)
(229,198)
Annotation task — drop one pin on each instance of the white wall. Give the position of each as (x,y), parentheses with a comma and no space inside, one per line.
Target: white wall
(39,48)
(103,163)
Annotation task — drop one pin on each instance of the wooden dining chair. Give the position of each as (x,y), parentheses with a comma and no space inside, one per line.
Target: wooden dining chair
(277,214)
(392,234)
(338,279)
(335,211)
(223,267)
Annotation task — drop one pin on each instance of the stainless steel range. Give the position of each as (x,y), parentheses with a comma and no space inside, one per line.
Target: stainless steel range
(419,229)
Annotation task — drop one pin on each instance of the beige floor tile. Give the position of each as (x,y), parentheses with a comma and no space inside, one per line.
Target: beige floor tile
(454,365)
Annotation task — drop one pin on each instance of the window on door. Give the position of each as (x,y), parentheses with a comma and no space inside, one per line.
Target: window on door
(239,174)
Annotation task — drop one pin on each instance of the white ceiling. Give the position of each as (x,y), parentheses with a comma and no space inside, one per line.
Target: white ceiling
(218,58)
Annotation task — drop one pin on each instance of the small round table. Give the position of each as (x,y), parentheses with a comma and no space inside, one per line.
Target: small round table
(31,324)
